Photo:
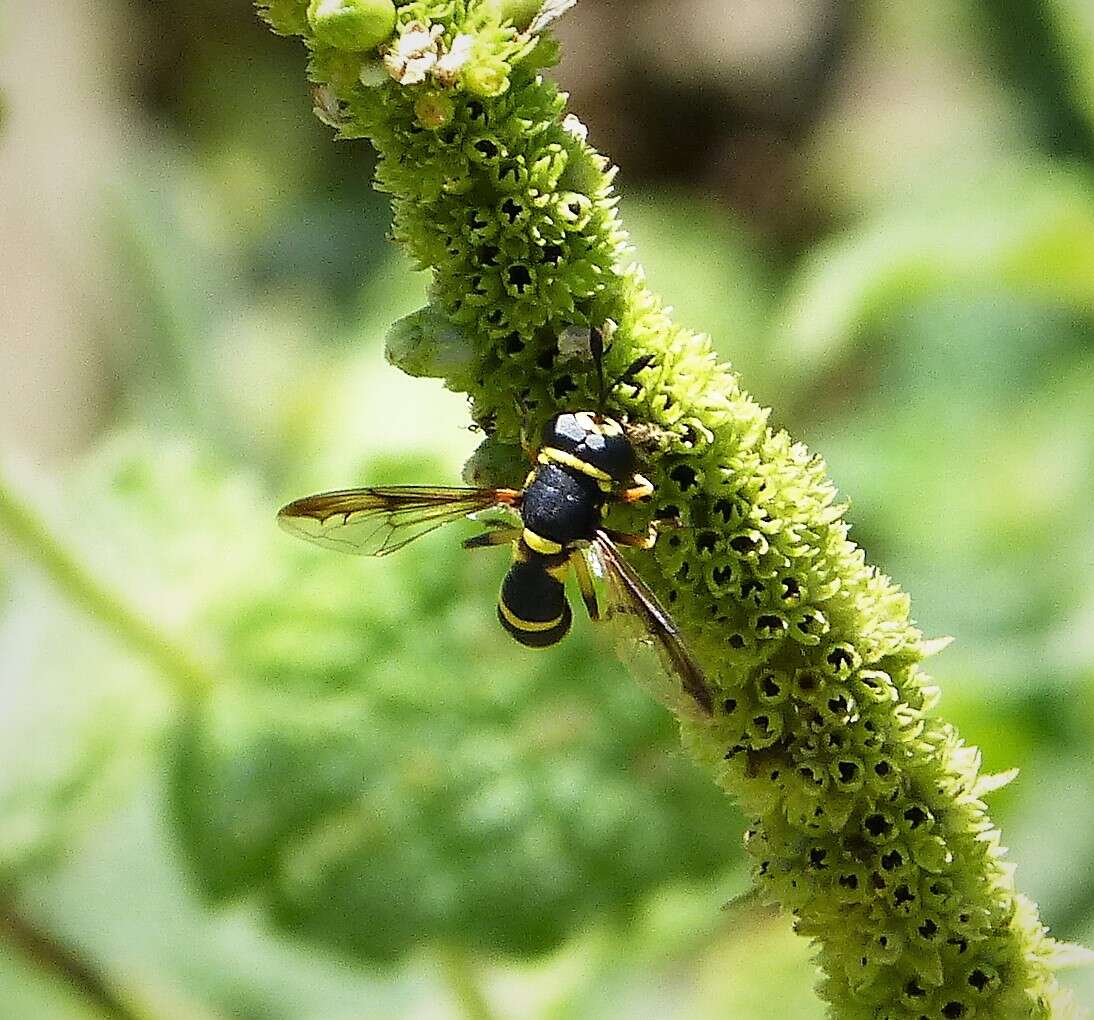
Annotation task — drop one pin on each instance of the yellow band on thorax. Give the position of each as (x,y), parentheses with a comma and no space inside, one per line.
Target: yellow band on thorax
(529,626)
(550,453)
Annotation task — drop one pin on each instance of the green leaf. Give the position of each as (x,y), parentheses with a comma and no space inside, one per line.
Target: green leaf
(66,748)
(395,771)
(1028,230)
(1075,24)
(989,437)
(30,993)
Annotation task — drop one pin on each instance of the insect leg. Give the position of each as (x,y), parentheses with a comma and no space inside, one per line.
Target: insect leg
(499,536)
(585,583)
(646,541)
(642,488)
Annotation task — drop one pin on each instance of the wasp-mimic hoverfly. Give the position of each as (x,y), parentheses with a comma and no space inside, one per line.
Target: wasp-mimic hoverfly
(584,463)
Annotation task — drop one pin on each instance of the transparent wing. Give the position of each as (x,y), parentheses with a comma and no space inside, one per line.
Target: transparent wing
(375,522)
(648,639)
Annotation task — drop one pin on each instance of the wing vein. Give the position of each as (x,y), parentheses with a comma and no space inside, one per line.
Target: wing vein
(378,521)
(633,596)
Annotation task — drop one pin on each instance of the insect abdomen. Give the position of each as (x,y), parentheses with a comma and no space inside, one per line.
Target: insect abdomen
(532,606)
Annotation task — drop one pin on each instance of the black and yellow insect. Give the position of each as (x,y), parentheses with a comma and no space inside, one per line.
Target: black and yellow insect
(584,463)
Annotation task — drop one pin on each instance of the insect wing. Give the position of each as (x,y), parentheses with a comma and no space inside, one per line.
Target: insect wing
(648,639)
(378,521)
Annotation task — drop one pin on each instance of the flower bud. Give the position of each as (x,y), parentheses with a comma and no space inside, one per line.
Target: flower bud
(434,110)
(519,12)
(351,25)
(425,344)
(486,78)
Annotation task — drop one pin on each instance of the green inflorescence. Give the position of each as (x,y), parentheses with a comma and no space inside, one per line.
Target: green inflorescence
(867,818)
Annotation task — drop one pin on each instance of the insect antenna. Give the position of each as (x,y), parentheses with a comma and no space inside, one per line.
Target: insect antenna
(596,349)
(604,389)
(628,374)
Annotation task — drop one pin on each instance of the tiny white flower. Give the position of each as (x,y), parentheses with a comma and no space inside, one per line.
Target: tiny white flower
(574,126)
(449,66)
(550,11)
(414,54)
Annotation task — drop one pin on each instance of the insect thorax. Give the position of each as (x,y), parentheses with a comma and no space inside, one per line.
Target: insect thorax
(562,505)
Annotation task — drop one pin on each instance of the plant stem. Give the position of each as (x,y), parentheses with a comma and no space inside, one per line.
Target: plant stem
(59,961)
(24,526)
(461,975)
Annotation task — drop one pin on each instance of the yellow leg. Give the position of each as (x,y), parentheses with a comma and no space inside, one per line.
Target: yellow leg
(641,489)
(585,583)
(646,541)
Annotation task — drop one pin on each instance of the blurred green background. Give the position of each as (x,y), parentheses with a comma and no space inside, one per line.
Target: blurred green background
(884,214)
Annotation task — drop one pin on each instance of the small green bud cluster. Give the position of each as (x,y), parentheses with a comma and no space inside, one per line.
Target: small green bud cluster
(359,44)
(351,25)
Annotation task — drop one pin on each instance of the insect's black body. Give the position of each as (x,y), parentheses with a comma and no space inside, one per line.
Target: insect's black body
(584,462)
(561,505)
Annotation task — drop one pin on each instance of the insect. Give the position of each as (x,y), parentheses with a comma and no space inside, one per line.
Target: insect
(584,463)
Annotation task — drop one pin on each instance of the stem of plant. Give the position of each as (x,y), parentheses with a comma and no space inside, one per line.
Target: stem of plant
(55,959)
(23,526)
(867,818)
(461,973)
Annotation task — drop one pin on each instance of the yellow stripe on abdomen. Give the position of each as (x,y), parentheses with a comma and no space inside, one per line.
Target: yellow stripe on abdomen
(530,626)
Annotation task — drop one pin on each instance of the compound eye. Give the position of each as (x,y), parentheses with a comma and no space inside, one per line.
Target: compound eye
(564,432)
(618,458)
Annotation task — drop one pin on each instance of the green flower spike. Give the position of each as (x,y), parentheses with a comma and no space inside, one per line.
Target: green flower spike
(868,822)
